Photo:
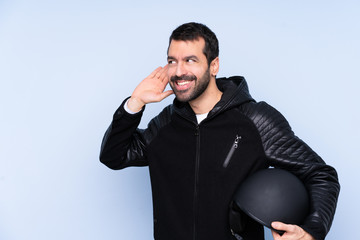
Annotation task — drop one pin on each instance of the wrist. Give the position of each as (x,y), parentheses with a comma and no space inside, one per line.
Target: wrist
(134,104)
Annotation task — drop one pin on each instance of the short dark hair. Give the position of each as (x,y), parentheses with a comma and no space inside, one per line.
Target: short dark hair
(193,31)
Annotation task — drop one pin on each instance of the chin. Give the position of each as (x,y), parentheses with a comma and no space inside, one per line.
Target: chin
(182,99)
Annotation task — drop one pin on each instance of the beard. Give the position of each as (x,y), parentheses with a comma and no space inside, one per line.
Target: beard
(188,95)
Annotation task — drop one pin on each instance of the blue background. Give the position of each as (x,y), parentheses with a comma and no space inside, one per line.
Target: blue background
(65,66)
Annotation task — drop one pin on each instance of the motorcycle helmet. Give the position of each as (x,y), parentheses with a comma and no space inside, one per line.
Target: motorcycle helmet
(273,195)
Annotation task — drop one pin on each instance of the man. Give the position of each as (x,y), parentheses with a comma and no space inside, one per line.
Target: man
(200,148)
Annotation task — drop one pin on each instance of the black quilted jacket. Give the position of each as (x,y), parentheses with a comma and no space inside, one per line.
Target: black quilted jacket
(195,169)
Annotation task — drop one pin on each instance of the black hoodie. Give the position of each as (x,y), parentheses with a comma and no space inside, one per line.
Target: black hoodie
(196,168)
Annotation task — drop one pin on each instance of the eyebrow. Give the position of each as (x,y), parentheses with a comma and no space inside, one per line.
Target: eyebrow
(187,57)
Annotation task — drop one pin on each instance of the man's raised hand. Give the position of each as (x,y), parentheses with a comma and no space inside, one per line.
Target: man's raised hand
(151,89)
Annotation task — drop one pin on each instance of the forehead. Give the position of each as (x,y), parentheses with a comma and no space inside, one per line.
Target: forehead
(179,48)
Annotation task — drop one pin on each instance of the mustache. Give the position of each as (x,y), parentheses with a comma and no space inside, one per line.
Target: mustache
(183,77)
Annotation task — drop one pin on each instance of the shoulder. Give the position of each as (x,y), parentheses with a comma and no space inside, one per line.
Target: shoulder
(264,115)
(273,128)
(163,117)
(158,122)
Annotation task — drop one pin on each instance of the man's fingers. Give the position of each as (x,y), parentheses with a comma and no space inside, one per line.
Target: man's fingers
(163,73)
(161,96)
(290,232)
(282,226)
(156,71)
(159,73)
(167,93)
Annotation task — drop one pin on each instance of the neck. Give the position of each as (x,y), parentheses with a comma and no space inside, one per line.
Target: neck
(207,100)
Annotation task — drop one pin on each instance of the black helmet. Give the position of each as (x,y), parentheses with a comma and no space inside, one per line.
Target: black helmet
(273,195)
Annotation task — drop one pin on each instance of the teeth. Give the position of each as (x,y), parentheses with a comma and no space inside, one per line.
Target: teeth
(182,83)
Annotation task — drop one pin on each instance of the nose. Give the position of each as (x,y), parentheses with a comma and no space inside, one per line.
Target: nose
(180,69)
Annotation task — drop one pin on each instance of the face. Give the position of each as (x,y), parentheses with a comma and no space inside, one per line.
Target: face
(188,71)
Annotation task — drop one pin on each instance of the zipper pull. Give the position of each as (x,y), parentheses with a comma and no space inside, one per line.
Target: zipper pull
(232,150)
(236,141)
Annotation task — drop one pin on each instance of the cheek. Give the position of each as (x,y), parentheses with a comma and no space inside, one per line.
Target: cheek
(171,71)
(199,72)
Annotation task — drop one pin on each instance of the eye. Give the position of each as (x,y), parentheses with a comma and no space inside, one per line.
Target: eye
(171,62)
(190,60)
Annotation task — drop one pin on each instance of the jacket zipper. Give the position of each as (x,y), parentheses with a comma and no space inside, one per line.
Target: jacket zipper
(232,151)
(197,165)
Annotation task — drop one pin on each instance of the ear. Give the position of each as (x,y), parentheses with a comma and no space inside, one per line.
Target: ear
(214,67)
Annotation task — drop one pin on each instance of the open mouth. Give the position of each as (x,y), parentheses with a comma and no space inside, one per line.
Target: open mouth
(182,85)
(182,82)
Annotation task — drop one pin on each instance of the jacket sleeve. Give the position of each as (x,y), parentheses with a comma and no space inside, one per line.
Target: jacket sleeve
(285,150)
(123,144)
